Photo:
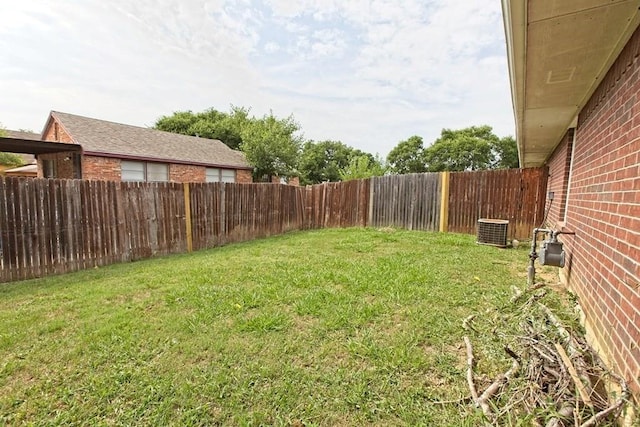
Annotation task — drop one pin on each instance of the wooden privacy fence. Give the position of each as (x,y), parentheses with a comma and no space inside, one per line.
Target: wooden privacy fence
(338,204)
(515,194)
(406,201)
(52,226)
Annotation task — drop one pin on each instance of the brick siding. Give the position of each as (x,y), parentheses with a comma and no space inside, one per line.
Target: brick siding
(109,168)
(55,132)
(244,176)
(101,168)
(559,166)
(186,173)
(604,211)
(63,164)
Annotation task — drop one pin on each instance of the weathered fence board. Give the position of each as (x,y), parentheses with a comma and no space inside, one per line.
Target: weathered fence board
(55,226)
(517,195)
(406,201)
(337,204)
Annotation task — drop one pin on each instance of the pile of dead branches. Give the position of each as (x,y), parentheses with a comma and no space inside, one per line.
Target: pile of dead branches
(555,378)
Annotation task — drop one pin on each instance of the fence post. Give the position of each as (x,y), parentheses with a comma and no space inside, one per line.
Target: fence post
(444,202)
(370,207)
(187,214)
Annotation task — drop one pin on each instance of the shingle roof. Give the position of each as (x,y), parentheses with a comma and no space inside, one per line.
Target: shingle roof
(26,158)
(20,134)
(120,140)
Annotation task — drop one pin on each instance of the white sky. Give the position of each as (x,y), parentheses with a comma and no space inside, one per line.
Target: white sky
(369,73)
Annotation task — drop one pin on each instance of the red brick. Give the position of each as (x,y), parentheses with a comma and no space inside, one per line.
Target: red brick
(604,210)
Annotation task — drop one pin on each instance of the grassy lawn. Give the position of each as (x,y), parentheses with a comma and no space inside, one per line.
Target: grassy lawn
(331,327)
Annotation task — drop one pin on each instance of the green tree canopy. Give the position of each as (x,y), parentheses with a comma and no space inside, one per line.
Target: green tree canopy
(322,161)
(472,148)
(211,123)
(271,145)
(505,153)
(407,156)
(9,159)
(360,167)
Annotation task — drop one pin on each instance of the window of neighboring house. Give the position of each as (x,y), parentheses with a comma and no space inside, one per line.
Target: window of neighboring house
(220,175)
(48,168)
(157,172)
(228,175)
(132,171)
(213,174)
(144,171)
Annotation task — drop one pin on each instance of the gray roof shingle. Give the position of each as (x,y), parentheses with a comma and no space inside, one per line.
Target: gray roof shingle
(120,140)
(28,159)
(21,134)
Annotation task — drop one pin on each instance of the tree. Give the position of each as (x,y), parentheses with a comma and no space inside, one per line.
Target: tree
(408,156)
(505,153)
(9,159)
(179,122)
(363,167)
(472,148)
(211,123)
(322,161)
(271,146)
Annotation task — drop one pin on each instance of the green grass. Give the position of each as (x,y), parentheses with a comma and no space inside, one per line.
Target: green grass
(332,327)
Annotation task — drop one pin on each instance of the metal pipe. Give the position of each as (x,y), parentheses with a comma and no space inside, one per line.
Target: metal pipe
(531,270)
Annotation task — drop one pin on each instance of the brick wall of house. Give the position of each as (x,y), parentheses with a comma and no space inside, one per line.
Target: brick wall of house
(186,173)
(63,165)
(244,176)
(101,168)
(106,168)
(559,166)
(604,212)
(55,132)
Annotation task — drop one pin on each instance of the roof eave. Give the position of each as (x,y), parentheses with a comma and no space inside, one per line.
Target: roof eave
(163,160)
(515,24)
(545,42)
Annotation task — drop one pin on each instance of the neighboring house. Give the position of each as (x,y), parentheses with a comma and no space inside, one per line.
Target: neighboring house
(29,171)
(575,79)
(114,151)
(29,167)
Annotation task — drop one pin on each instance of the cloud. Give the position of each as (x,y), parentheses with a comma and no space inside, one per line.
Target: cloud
(367,72)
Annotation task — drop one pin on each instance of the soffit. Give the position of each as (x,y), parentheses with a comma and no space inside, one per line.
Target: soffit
(559,51)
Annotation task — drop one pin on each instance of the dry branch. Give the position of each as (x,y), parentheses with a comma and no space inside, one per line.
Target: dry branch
(466,323)
(565,413)
(518,293)
(483,400)
(470,363)
(584,395)
(611,409)
(551,359)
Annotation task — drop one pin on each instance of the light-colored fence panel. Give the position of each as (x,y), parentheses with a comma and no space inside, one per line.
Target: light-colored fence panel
(406,201)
